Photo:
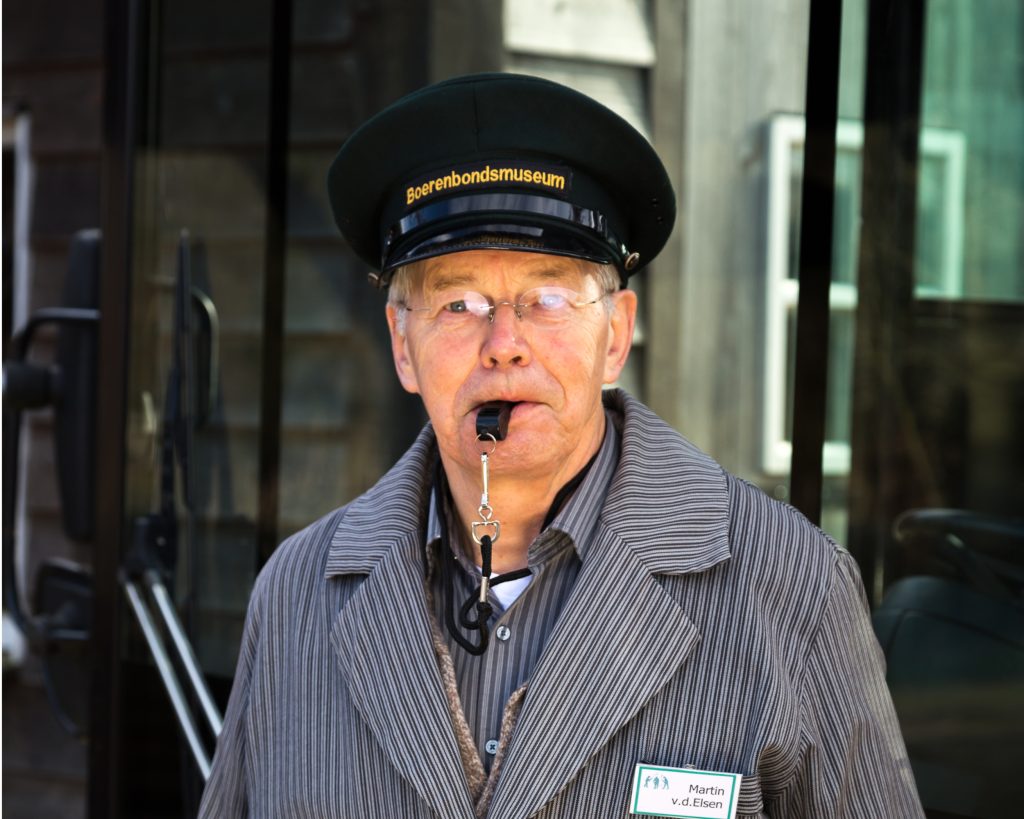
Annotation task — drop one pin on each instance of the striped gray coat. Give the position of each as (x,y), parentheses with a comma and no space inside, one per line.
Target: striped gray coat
(710,626)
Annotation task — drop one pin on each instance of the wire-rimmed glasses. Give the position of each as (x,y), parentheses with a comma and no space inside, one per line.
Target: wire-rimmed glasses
(545,307)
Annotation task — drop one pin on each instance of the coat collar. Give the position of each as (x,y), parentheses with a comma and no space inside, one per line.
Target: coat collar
(668,501)
(392,510)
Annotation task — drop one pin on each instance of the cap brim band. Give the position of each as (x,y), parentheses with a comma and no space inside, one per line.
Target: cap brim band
(496,237)
(501,220)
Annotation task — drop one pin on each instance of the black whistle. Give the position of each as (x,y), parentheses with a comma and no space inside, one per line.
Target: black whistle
(492,420)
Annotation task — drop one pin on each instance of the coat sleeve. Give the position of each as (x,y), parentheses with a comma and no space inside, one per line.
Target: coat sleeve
(226,792)
(853,761)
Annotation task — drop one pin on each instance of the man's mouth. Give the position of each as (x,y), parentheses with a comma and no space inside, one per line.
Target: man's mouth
(492,419)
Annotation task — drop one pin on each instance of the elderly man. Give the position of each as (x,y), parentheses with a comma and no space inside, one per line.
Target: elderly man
(553,605)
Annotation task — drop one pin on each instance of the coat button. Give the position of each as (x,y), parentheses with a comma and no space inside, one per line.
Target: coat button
(503,633)
(491,746)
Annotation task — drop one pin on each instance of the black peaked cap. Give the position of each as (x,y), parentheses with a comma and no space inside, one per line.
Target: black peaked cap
(504,161)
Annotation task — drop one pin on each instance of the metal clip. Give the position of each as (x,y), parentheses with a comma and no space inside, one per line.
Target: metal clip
(485,511)
(495,530)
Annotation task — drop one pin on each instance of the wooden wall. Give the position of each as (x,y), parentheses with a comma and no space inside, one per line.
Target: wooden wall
(738,64)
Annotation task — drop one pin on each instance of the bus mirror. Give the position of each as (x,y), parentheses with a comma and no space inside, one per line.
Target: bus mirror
(76,390)
(69,384)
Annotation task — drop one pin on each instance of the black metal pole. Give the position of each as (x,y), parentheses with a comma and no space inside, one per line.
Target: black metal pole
(885,276)
(815,264)
(122,83)
(273,292)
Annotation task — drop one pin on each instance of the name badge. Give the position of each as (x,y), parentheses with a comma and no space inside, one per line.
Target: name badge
(684,792)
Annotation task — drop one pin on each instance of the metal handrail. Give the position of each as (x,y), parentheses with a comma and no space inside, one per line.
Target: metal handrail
(183,649)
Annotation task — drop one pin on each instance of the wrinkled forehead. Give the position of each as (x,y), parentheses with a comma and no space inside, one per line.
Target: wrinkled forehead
(501,271)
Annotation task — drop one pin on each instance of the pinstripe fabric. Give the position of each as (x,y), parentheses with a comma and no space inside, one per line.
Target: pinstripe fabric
(486,682)
(709,626)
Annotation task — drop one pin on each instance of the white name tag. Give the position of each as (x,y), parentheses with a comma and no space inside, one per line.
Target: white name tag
(684,792)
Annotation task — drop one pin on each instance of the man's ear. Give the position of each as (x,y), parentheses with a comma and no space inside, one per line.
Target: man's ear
(620,333)
(400,350)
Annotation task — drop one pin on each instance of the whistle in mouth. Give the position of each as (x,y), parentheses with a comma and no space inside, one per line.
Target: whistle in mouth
(492,420)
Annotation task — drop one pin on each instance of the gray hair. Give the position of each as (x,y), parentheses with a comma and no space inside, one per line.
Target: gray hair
(407,278)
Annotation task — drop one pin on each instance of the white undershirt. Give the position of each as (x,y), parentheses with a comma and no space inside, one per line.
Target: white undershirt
(509,591)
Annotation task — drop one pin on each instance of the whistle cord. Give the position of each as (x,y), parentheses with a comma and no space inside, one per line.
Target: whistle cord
(447,558)
(484,609)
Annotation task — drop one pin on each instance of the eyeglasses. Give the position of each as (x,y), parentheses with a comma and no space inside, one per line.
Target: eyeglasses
(544,307)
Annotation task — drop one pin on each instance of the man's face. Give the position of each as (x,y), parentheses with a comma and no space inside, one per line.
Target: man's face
(552,375)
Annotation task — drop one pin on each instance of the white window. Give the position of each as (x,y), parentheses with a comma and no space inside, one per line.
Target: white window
(938,273)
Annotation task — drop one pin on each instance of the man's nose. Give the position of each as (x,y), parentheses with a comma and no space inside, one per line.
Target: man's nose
(504,344)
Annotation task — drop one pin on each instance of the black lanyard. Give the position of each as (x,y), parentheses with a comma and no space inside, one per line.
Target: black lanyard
(484,610)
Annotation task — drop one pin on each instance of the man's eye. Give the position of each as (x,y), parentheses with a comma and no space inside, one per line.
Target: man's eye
(551,301)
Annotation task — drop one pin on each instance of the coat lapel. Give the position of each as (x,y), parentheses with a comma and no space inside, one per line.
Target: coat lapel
(398,691)
(382,635)
(621,637)
(603,663)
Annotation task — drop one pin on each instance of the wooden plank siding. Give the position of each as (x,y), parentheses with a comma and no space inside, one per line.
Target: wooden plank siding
(706,344)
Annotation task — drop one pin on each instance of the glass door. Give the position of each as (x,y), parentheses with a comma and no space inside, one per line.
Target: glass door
(197,345)
(259,393)
(935,494)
